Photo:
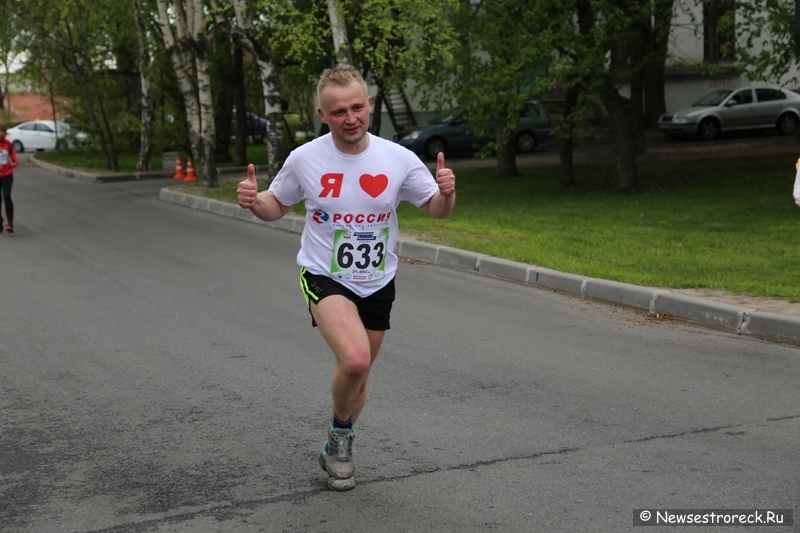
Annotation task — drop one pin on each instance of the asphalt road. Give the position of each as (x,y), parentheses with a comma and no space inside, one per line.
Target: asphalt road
(159,374)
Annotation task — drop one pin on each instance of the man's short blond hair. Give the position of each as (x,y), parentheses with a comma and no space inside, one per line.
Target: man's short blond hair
(340,76)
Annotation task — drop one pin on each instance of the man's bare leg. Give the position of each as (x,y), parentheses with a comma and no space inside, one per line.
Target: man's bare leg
(355,349)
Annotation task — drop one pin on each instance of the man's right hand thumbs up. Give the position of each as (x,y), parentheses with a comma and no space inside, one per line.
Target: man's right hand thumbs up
(248,189)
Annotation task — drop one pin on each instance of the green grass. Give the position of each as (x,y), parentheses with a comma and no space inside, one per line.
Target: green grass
(226,191)
(92,159)
(728,224)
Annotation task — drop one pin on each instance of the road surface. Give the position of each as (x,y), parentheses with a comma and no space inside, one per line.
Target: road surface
(159,374)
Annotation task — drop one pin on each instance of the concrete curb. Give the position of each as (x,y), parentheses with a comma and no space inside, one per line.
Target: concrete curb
(657,302)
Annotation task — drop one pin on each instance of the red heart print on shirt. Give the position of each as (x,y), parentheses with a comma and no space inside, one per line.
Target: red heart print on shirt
(373,185)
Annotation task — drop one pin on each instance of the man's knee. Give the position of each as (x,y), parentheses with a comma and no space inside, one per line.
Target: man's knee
(356,364)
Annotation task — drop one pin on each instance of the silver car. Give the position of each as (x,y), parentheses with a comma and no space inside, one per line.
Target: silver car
(751,108)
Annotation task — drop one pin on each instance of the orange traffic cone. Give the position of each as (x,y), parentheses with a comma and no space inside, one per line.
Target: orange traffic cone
(179,175)
(190,175)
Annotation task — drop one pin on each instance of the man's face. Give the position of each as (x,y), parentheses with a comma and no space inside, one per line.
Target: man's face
(346,112)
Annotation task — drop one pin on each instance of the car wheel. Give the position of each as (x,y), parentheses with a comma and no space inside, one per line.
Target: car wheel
(434,146)
(526,142)
(708,129)
(18,148)
(787,124)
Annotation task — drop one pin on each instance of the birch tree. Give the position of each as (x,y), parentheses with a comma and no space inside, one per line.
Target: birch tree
(146,136)
(339,33)
(255,39)
(184,31)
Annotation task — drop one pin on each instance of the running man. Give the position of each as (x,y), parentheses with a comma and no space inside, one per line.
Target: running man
(351,182)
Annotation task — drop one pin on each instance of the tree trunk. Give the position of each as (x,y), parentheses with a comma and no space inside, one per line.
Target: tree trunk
(240,148)
(246,35)
(570,123)
(208,136)
(506,150)
(146,136)
(339,32)
(72,63)
(622,130)
(377,108)
(655,103)
(272,104)
(636,64)
(183,65)
(188,53)
(565,162)
(567,134)
(224,93)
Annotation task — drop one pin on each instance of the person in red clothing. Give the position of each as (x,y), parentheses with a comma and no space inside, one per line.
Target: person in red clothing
(8,160)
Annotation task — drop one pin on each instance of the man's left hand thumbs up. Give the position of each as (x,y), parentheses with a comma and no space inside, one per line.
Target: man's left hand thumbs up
(445,177)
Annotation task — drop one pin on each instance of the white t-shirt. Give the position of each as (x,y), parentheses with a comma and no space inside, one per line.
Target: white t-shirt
(351,200)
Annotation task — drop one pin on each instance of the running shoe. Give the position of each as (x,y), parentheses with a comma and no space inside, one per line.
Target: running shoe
(336,458)
(9,228)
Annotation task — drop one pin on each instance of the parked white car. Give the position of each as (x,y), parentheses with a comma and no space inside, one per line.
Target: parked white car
(749,108)
(41,135)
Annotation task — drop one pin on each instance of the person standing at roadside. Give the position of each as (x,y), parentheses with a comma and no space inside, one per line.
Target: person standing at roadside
(351,182)
(8,160)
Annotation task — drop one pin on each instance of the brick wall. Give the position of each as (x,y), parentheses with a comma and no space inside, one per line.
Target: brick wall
(31,106)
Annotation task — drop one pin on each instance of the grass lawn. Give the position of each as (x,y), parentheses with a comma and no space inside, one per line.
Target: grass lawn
(717,224)
(728,224)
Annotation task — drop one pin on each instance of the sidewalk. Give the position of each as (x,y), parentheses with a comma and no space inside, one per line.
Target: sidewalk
(113,177)
(747,316)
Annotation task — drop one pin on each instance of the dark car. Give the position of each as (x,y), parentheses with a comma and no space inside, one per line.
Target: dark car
(256,126)
(749,108)
(450,133)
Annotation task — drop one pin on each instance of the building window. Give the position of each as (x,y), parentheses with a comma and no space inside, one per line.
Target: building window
(719,35)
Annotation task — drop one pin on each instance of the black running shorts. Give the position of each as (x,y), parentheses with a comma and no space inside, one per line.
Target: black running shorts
(374,310)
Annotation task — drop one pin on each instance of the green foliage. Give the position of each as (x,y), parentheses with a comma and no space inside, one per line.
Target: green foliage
(766,46)
(395,39)
(502,64)
(391,40)
(126,128)
(302,36)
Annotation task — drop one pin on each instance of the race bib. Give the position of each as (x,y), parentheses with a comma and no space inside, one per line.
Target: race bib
(3,157)
(359,255)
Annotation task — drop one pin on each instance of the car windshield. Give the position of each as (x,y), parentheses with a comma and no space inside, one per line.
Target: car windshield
(712,99)
(445,116)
